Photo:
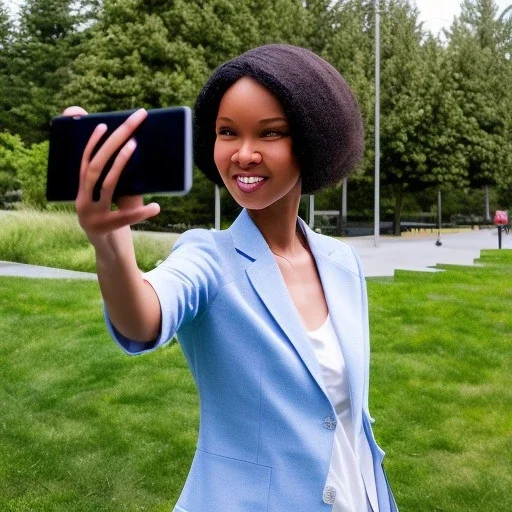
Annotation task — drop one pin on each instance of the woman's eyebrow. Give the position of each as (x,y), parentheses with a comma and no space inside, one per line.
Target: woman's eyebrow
(262,121)
(273,119)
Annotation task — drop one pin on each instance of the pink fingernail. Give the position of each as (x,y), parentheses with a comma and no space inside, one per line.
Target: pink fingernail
(139,114)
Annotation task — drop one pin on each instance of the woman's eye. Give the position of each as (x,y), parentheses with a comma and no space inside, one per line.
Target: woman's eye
(226,132)
(272,134)
(275,133)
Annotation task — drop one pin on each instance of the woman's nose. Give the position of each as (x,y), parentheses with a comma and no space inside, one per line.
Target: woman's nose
(246,156)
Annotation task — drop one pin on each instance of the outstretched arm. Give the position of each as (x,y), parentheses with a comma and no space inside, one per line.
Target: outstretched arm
(131,302)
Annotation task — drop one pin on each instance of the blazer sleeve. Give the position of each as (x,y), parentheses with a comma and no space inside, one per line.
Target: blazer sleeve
(184,283)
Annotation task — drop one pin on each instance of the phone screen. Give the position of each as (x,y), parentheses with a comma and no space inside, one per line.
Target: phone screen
(160,164)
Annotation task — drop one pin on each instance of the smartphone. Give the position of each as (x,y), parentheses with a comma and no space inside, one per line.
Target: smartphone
(160,164)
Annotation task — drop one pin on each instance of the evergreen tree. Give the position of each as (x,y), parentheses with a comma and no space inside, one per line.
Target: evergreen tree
(350,49)
(482,78)
(160,53)
(5,27)
(5,42)
(133,59)
(45,42)
(281,21)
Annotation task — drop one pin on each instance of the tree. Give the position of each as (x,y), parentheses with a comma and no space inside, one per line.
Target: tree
(5,42)
(24,169)
(42,47)
(482,76)
(423,122)
(439,134)
(11,151)
(32,174)
(155,54)
(281,21)
(5,27)
(420,118)
(134,60)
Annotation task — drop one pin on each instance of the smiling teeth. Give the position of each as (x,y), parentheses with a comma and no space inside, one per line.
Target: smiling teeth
(250,179)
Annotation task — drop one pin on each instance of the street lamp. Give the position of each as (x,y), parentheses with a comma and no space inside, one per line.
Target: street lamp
(376,211)
(217,208)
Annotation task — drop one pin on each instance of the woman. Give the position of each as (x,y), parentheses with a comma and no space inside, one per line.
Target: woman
(272,317)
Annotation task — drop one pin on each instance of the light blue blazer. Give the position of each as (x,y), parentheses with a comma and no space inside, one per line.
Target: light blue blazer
(266,423)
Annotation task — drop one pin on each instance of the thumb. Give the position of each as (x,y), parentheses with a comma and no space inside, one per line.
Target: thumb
(152,209)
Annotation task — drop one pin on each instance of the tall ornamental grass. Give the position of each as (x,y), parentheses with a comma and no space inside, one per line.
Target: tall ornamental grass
(55,239)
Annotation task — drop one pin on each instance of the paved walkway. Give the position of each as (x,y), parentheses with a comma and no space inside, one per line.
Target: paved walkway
(19,269)
(422,253)
(392,253)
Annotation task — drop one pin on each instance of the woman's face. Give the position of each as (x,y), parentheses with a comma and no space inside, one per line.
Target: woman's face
(253,147)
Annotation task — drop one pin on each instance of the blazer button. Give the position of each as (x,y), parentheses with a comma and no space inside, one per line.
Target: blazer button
(329,495)
(330,422)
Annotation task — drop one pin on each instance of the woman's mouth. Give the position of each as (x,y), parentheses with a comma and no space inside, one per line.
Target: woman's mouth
(249,183)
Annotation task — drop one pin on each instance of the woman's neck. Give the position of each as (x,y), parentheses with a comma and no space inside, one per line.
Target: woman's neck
(278,225)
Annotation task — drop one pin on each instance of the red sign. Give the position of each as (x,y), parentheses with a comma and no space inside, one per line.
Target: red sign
(500,218)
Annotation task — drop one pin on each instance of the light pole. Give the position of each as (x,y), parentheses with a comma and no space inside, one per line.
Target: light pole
(376,211)
(217,207)
(311,216)
(343,206)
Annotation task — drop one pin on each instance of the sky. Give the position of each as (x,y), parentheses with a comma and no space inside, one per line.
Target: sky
(438,14)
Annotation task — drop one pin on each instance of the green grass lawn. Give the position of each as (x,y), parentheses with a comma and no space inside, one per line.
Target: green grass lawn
(85,428)
(441,385)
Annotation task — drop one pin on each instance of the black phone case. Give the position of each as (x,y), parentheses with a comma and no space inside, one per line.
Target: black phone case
(160,164)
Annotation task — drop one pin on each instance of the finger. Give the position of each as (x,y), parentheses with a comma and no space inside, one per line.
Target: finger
(130,202)
(74,111)
(118,138)
(110,181)
(98,132)
(122,218)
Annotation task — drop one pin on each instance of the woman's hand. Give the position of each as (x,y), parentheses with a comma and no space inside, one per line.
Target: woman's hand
(97,217)
(131,302)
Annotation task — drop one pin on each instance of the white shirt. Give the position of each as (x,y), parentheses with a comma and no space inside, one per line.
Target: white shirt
(351,461)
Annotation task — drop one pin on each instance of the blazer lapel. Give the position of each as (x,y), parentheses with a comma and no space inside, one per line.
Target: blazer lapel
(266,279)
(342,288)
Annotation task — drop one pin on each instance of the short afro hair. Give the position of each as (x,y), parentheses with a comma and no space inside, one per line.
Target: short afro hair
(326,125)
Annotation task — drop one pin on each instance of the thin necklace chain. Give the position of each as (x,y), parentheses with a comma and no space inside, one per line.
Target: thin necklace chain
(284,257)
